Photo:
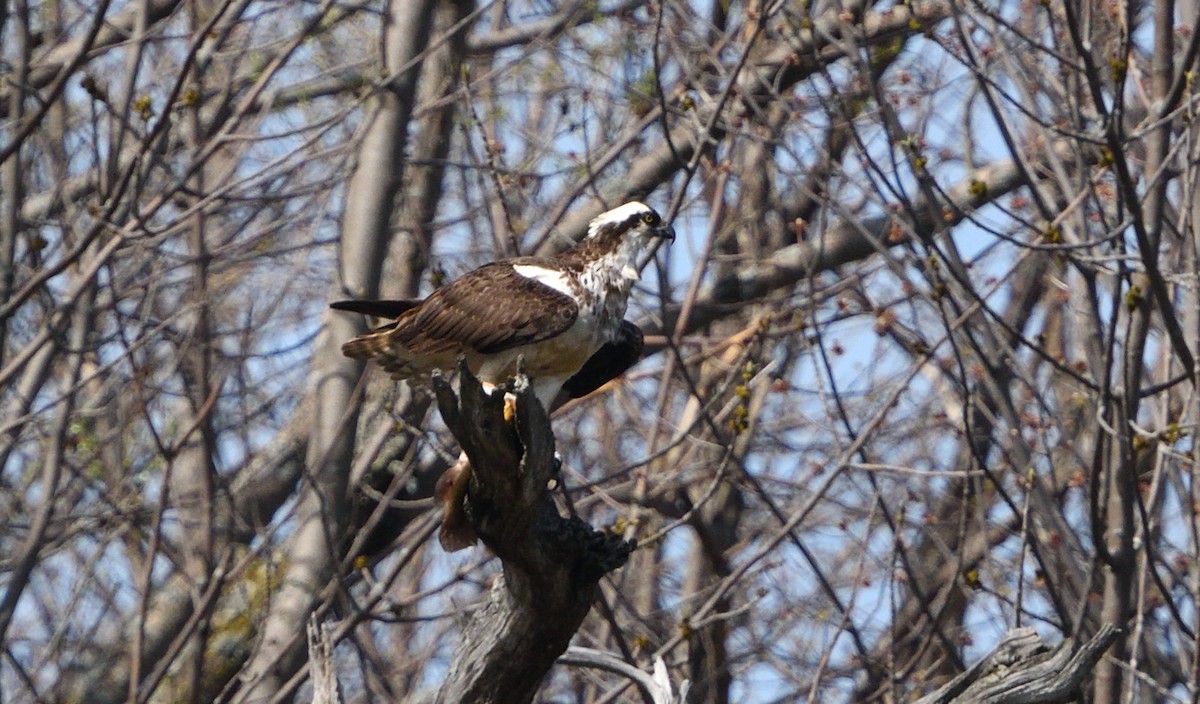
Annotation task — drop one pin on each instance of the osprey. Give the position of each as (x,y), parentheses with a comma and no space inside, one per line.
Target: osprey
(555,312)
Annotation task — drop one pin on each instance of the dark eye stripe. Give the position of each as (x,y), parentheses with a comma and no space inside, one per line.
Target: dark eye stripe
(652,219)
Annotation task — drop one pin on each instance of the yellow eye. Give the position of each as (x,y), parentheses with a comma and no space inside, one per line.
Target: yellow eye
(650,219)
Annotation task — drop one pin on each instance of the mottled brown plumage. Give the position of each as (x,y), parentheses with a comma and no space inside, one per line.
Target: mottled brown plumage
(486,311)
(556,312)
(609,362)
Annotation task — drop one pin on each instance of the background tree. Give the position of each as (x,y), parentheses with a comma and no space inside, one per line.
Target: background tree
(921,364)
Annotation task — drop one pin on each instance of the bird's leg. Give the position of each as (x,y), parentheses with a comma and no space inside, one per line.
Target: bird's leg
(456,532)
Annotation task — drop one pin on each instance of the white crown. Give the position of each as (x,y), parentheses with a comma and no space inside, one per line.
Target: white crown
(618,214)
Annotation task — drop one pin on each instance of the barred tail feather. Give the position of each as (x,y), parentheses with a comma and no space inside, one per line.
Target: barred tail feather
(382,348)
(369,346)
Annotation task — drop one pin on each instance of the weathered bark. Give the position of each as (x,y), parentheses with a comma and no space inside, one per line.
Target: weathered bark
(1024,670)
(326,689)
(550,564)
(656,685)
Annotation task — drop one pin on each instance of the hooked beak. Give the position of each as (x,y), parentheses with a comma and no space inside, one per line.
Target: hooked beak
(666,232)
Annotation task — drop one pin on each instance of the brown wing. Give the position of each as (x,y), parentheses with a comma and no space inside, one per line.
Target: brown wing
(488,310)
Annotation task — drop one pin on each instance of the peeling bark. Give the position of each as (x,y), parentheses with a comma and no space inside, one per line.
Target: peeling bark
(1024,670)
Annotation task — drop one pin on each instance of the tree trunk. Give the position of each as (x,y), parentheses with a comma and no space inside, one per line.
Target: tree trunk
(550,564)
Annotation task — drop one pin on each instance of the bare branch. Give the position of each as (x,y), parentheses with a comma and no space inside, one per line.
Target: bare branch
(1022,669)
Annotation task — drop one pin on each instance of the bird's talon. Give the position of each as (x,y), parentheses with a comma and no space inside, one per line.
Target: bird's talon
(510,407)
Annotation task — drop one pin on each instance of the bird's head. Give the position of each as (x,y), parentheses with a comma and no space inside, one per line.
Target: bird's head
(619,236)
(631,222)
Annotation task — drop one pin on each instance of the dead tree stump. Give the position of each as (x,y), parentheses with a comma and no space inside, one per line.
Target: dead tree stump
(550,564)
